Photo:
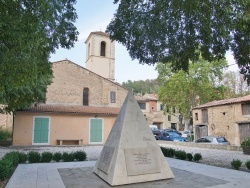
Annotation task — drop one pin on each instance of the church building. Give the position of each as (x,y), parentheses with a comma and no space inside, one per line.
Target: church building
(81,103)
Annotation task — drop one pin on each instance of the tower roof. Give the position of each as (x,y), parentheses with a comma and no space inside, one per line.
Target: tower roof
(97,33)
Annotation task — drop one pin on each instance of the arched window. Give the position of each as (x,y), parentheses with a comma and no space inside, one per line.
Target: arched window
(85,96)
(103,48)
(89,50)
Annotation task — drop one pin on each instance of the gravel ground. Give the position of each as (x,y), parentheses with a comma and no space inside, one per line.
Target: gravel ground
(215,157)
(220,158)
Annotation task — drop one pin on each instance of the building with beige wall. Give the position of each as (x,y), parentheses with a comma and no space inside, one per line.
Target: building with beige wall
(153,112)
(80,107)
(229,118)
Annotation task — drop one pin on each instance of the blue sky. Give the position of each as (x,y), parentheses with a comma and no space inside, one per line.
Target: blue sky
(95,15)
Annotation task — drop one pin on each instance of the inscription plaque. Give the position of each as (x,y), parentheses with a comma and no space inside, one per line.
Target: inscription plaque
(105,159)
(141,161)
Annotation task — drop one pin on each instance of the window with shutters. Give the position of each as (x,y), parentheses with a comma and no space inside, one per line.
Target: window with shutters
(103,48)
(85,96)
(246,109)
(113,97)
(204,116)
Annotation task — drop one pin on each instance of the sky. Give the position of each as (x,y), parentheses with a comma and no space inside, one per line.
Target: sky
(95,15)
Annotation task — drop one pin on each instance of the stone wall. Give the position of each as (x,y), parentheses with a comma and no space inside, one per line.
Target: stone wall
(69,81)
(222,121)
(6,120)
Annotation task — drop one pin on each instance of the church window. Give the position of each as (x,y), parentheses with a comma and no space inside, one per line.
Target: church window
(103,48)
(85,96)
(112,97)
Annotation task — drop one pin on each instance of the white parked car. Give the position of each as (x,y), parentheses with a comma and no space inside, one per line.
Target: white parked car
(185,134)
(212,140)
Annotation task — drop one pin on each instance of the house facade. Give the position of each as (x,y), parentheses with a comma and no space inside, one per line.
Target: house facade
(229,118)
(80,108)
(153,112)
(6,121)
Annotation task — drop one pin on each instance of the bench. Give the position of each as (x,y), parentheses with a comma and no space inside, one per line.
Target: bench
(69,140)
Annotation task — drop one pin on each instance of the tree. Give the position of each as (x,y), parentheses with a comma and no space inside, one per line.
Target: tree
(142,86)
(185,90)
(172,30)
(29,31)
(235,85)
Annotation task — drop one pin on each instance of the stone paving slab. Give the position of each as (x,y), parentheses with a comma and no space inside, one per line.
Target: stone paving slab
(85,178)
(187,174)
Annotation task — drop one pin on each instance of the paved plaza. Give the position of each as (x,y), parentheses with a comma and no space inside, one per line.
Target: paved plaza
(79,174)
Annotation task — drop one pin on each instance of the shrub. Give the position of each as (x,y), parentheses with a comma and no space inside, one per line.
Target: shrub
(80,155)
(34,157)
(236,164)
(22,157)
(179,154)
(67,157)
(57,156)
(248,164)
(46,157)
(197,157)
(8,164)
(246,142)
(168,152)
(190,156)
(5,134)
(6,168)
(13,156)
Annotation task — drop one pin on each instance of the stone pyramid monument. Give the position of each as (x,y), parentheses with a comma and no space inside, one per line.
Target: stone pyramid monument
(131,154)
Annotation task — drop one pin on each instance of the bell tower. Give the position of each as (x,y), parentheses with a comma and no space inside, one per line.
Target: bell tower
(100,55)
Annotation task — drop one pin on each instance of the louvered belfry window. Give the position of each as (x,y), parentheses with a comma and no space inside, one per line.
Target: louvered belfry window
(103,48)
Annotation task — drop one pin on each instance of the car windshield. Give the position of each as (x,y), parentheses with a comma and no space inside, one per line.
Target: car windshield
(173,134)
(221,139)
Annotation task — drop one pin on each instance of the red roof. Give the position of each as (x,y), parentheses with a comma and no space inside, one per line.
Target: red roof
(68,109)
(225,102)
(140,98)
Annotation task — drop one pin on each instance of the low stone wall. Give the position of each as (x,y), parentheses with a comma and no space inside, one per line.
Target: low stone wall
(210,146)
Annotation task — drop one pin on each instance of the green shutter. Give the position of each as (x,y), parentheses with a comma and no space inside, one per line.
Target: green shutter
(41,130)
(96,130)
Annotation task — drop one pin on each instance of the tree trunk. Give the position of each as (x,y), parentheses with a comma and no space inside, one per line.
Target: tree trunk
(187,122)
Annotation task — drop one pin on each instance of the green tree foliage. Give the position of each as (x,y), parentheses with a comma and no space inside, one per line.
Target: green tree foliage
(172,30)
(185,90)
(142,86)
(29,31)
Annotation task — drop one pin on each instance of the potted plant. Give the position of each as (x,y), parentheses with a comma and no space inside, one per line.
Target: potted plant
(246,146)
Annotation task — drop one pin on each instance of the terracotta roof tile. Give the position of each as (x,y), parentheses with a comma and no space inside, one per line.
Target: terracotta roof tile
(153,97)
(66,109)
(225,101)
(140,98)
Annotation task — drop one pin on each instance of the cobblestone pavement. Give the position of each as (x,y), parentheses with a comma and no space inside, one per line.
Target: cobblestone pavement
(215,157)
